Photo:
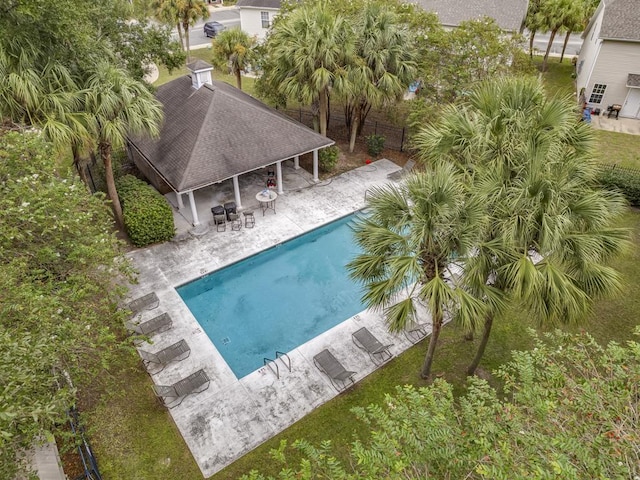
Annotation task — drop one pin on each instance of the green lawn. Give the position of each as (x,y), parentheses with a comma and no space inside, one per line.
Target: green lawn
(204,54)
(618,148)
(557,78)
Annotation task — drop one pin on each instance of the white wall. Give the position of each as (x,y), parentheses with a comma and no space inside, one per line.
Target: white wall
(589,51)
(615,62)
(251,21)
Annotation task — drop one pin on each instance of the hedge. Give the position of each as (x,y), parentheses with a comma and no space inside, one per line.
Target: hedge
(148,217)
(328,158)
(626,181)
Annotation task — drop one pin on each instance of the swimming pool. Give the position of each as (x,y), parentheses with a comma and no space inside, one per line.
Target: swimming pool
(279,298)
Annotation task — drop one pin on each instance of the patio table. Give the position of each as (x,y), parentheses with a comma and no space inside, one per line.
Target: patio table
(267,199)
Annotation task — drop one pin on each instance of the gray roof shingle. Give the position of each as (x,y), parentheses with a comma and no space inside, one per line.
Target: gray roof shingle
(508,14)
(218,131)
(633,80)
(259,3)
(621,20)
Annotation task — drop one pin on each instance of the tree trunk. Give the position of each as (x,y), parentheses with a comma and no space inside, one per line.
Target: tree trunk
(238,78)
(546,55)
(564,46)
(105,153)
(185,25)
(433,340)
(531,38)
(488,322)
(179,27)
(322,101)
(354,132)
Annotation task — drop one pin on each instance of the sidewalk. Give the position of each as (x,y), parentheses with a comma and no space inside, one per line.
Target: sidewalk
(621,125)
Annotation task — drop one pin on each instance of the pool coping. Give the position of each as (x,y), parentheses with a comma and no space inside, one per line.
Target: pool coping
(233,416)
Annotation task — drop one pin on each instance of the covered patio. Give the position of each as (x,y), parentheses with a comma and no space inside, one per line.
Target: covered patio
(214,134)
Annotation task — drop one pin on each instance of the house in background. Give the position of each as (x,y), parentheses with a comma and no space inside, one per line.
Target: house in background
(256,16)
(213,132)
(608,67)
(508,14)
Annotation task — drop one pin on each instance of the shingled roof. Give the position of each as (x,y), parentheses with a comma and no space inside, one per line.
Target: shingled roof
(274,4)
(508,14)
(216,132)
(620,21)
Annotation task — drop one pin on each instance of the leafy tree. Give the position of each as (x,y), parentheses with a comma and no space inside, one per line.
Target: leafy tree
(382,69)
(408,241)
(550,235)
(570,412)
(233,49)
(58,261)
(118,106)
(306,53)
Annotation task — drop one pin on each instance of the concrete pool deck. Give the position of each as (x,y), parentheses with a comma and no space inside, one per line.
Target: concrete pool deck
(233,416)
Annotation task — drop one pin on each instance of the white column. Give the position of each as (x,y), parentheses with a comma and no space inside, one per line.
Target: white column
(179,198)
(194,211)
(236,191)
(279,177)
(315,166)
(296,162)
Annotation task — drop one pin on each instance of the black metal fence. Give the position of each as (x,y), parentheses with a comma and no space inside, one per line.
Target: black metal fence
(395,137)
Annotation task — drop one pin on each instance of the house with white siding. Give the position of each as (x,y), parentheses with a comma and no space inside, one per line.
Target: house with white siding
(256,16)
(608,66)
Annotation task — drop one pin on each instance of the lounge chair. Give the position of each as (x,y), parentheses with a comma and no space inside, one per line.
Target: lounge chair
(403,172)
(332,368)
(366,341)
(416,332)
(146,302)
(178,351)
(173,395)
(157,324)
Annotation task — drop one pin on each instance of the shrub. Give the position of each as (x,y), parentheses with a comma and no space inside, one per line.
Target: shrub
(147,215)
(375,144)
(328,158)
(626,181)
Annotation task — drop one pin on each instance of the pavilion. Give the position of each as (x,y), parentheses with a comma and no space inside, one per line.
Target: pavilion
(213,132)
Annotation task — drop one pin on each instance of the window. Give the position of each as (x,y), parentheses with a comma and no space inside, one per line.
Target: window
(264,16)
(597,93)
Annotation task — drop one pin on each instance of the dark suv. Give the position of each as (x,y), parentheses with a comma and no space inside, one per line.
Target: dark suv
(212,29)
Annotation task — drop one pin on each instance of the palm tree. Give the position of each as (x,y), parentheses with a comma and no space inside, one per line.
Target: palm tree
(233,48)
(166,11)
(549,235)
(38,94)
(557,15)
(408,240)
(307,54)
(189,12)
(383,68)
(119,106)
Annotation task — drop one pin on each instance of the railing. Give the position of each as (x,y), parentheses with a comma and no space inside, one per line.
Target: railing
(273,365)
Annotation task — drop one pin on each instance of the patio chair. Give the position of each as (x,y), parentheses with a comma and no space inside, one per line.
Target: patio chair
(220,222)
(176,352)
(157,324)
(416,332)
(365,340)
(173,395)
(249,219)
(332,368)
(146,302)
(236,222)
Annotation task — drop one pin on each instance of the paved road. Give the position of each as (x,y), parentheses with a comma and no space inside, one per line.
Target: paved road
(229,17)
(542,39)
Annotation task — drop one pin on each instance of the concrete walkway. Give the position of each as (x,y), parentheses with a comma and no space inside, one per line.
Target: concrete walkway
(621,125)
(233,415)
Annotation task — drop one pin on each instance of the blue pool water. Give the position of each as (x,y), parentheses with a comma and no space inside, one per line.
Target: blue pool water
(278,299)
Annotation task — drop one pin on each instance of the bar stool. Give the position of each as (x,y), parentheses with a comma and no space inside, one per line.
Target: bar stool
(249,219)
